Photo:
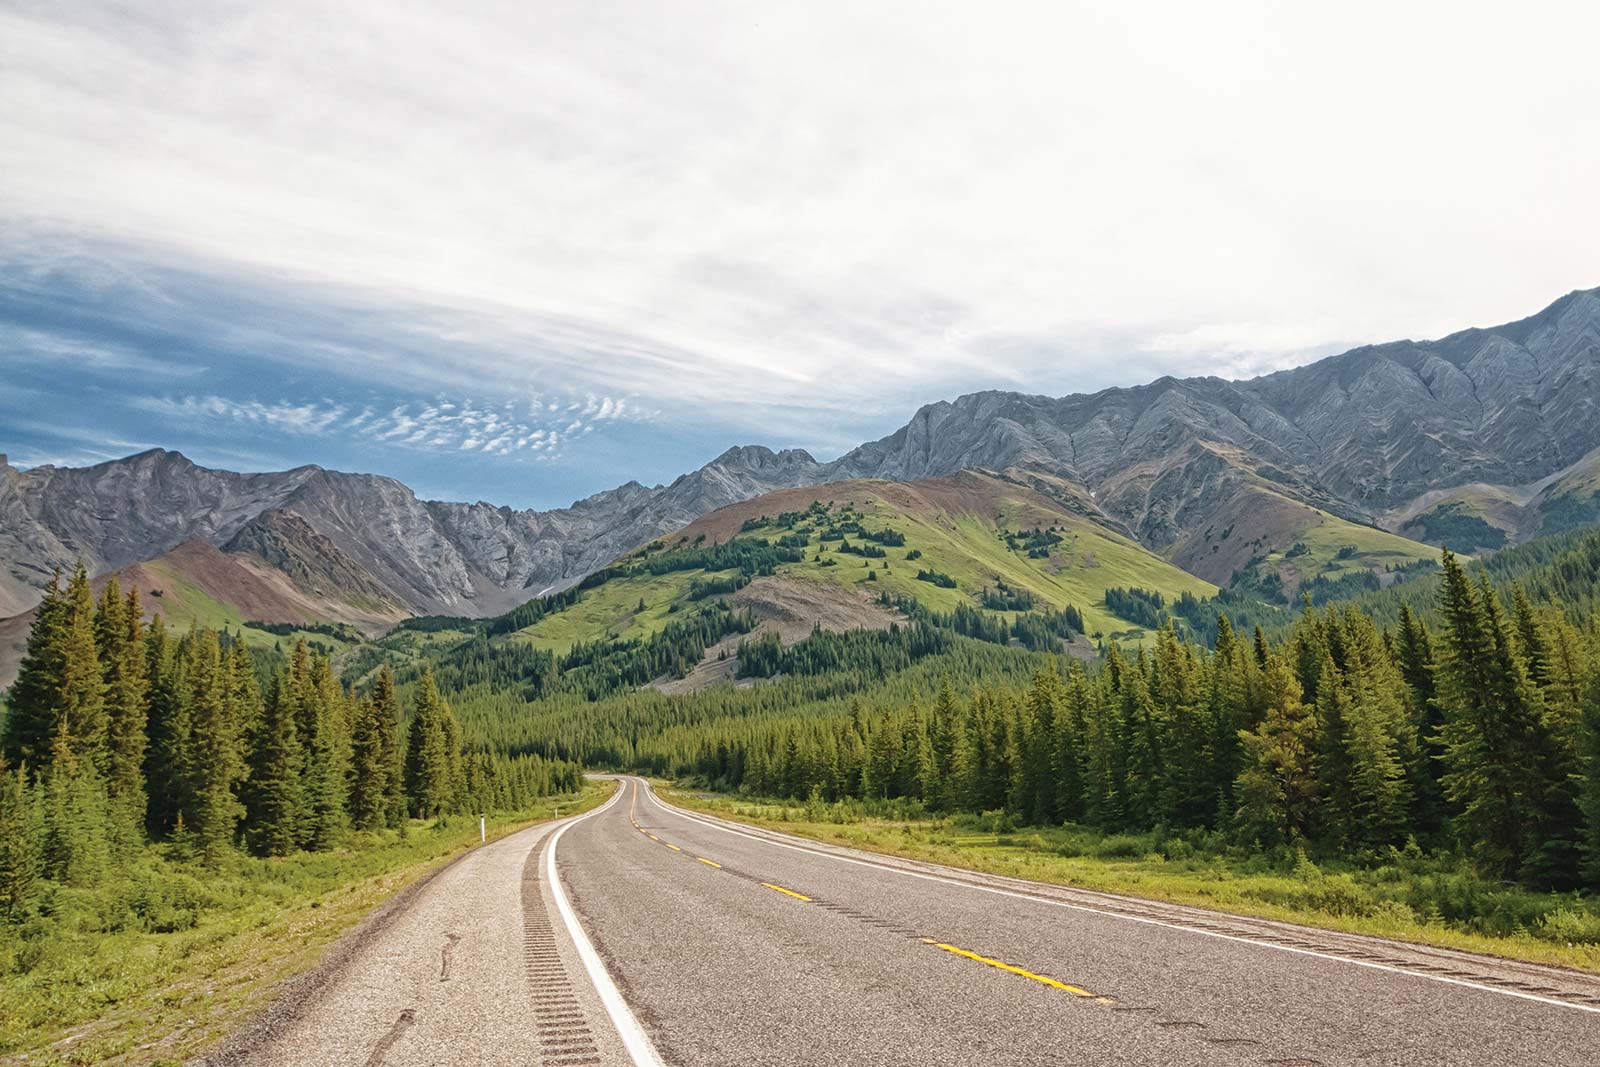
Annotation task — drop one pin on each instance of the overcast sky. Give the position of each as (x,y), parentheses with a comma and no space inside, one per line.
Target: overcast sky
(525,251)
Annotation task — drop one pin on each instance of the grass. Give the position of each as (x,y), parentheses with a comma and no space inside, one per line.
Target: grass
(1330,547)
(612,610)
(166,958)
(1405,895)
(968,547)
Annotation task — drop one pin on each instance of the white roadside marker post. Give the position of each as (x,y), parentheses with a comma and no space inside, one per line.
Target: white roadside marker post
(482,832)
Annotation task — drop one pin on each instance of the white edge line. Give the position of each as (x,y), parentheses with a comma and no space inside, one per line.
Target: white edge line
(634,1039)
(673,809)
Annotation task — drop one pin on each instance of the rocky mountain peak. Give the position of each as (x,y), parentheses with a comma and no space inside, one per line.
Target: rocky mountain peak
(760,457)
(1355,435)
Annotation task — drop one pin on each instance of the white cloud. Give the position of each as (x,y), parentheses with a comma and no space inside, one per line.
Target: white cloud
(461,426)
(796,216)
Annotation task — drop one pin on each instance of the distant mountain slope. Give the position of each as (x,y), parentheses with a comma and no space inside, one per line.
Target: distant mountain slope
(1493,425)
(1355,434)
(198,583)
(969,540)
(354,537)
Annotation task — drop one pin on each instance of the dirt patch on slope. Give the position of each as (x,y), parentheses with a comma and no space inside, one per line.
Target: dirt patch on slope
(789,608)
(221,577)
(792,608)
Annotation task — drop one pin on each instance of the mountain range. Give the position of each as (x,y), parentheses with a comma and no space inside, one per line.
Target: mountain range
(1481,438)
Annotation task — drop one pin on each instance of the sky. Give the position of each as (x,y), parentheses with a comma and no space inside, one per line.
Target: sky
(525,251)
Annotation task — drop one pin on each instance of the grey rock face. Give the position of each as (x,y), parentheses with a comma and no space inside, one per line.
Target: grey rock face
(349,535)
(1355,434)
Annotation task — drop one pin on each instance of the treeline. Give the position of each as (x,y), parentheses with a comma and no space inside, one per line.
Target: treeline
(1139,606)
(593,669)
(1041,631)
(880,652)
(120,732)
(1342,737)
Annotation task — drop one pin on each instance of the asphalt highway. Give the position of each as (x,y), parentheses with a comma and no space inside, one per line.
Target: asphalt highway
(671,937)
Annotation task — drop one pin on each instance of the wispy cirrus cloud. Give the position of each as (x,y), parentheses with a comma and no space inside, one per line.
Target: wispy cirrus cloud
(537,425)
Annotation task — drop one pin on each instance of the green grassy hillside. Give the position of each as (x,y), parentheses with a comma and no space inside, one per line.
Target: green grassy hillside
(845,548)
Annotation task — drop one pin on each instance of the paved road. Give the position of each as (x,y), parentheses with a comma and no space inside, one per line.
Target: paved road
(477,967)
(674,938)
(740,947)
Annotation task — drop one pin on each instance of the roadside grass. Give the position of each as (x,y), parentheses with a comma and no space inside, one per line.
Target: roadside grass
(1404,894)
(166,957)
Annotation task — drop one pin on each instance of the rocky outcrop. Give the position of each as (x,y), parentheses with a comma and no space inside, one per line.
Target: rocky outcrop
(1358,435)
(1355,434)
(362,539)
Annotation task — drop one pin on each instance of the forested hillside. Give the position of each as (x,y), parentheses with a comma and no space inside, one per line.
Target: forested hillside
(1486,732)
(119,733)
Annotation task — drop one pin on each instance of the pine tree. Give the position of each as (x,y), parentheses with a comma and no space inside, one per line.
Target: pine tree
(30,722)
(276,802)
(120,633)
(19,848)
(369,768)
(1140,753)
(429,761)
(80,700)
(166,761)
(1278,788)
(76,840)
(1426,767)
(328,758)
(1490,726)
(57,704)
(221,694)
(1589,783)
(387,722)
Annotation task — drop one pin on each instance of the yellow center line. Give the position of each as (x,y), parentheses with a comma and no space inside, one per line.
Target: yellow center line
(673,847)
(786,892)
(651,836)
(709,863)
(1044,979)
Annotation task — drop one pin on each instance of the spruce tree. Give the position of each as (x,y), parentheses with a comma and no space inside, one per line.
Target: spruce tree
(30,720)
(121,636)
(57,704)
(80,699)
(387,722)
(1425,767)
(327,758)
(1589,784)
(1278,788)
(429,763)
(19,846)
(276,802)
(369,768)
(221,693)
(1490,726)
